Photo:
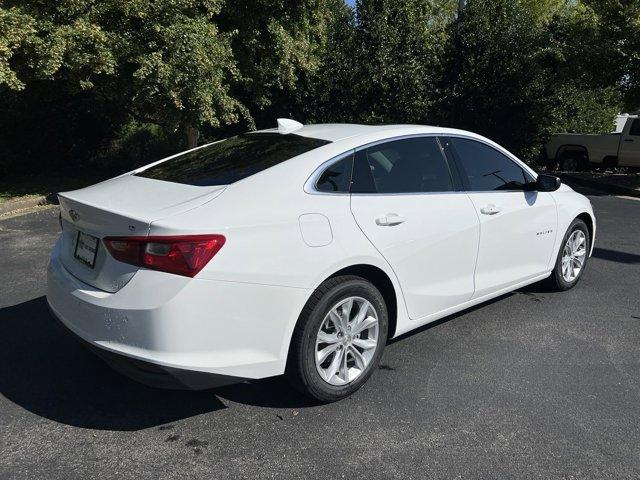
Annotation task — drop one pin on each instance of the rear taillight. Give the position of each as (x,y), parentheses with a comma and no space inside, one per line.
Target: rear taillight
(183,255)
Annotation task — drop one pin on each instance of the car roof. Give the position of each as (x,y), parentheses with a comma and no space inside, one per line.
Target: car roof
(334,132)
(343,136)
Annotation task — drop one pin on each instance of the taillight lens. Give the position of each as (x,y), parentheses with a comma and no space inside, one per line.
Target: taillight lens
(183,255)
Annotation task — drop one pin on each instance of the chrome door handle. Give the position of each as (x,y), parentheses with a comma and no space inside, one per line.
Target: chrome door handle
(490,210)
(390,219)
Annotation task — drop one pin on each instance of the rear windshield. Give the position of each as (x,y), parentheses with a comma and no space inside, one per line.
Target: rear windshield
(232,159)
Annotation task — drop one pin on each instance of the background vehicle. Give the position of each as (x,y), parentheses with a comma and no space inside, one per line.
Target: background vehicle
(575,151)
(303,249)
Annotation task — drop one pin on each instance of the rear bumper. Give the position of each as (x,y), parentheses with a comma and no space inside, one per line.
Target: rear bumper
(158,376)
(173,331)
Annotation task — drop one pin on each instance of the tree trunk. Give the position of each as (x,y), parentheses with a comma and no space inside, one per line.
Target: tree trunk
(193,134)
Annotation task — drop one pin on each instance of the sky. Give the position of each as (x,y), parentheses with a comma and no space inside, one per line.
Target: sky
(350,2)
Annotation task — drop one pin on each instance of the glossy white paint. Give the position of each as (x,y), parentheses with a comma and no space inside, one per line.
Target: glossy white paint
(315,229)
(286,125)
(518,230)
(236,317)
(433,251)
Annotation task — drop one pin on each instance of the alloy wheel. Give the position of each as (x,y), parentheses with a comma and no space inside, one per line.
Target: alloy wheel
(346,341)
(574,255)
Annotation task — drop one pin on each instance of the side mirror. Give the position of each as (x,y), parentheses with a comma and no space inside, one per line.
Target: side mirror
(547,183)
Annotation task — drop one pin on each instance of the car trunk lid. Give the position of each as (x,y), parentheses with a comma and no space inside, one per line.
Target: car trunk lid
(123,206)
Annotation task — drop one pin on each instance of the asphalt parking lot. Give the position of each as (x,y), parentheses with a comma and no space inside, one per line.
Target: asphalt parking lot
(532,385)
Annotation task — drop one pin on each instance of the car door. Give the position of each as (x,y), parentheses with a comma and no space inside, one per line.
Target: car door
(630,144)
(407,201)
(517,225)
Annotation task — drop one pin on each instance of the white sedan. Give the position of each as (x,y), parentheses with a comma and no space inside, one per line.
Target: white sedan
(301,250)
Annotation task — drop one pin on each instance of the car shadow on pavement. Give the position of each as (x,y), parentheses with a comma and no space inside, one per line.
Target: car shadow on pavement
(46,371)
(615,255)
(272,392)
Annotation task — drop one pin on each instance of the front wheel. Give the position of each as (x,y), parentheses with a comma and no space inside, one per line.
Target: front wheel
(572,258)
(339,339)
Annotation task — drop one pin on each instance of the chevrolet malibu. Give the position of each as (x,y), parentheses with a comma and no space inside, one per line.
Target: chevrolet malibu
(301,250)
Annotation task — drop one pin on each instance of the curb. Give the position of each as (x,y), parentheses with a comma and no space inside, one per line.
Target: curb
(18,204)
(604,187)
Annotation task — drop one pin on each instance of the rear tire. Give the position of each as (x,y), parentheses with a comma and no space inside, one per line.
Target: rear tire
(573,162)
(321,329)
(572,257)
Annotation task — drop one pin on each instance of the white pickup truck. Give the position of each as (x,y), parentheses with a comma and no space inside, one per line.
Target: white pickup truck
(578,152)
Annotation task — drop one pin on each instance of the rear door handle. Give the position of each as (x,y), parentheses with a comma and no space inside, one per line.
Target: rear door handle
(628,139)
(490,210)
(390,219)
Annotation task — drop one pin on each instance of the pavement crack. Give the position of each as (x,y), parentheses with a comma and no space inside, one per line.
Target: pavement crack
(194,442)
(382,366)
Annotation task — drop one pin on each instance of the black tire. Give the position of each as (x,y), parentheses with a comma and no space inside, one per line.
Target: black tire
(301,367)
(568,162)
(573,161)
(556,280)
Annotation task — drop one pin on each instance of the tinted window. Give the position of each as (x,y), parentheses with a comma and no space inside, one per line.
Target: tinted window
(410,165)
(486,168)
(233,159)
(635,128)
(336,177)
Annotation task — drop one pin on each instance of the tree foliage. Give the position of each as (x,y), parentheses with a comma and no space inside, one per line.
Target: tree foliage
(517,76)
(384,61)
(164,61)
(123,80)
(277,45)
(499,62)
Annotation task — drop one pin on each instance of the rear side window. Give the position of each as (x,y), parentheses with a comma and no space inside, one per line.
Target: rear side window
(336,178)
(232,159)
(486,168)
(411,165)
(635,128)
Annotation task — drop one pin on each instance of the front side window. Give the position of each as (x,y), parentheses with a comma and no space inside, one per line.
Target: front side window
(486,168)
(233,159)
(336,178)
(411,165)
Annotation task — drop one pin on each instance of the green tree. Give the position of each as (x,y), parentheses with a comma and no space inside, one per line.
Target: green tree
(382,62)
(544,10)
(399,49)
(278,46)
(615,51)
(163,62)
(517,77)
(180,64)
(326,95)
(15,30)
(499,63)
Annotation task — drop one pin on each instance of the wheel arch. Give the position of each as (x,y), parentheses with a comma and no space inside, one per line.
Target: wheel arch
(382,282)
(571,147)
(588,220)
(379,278)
